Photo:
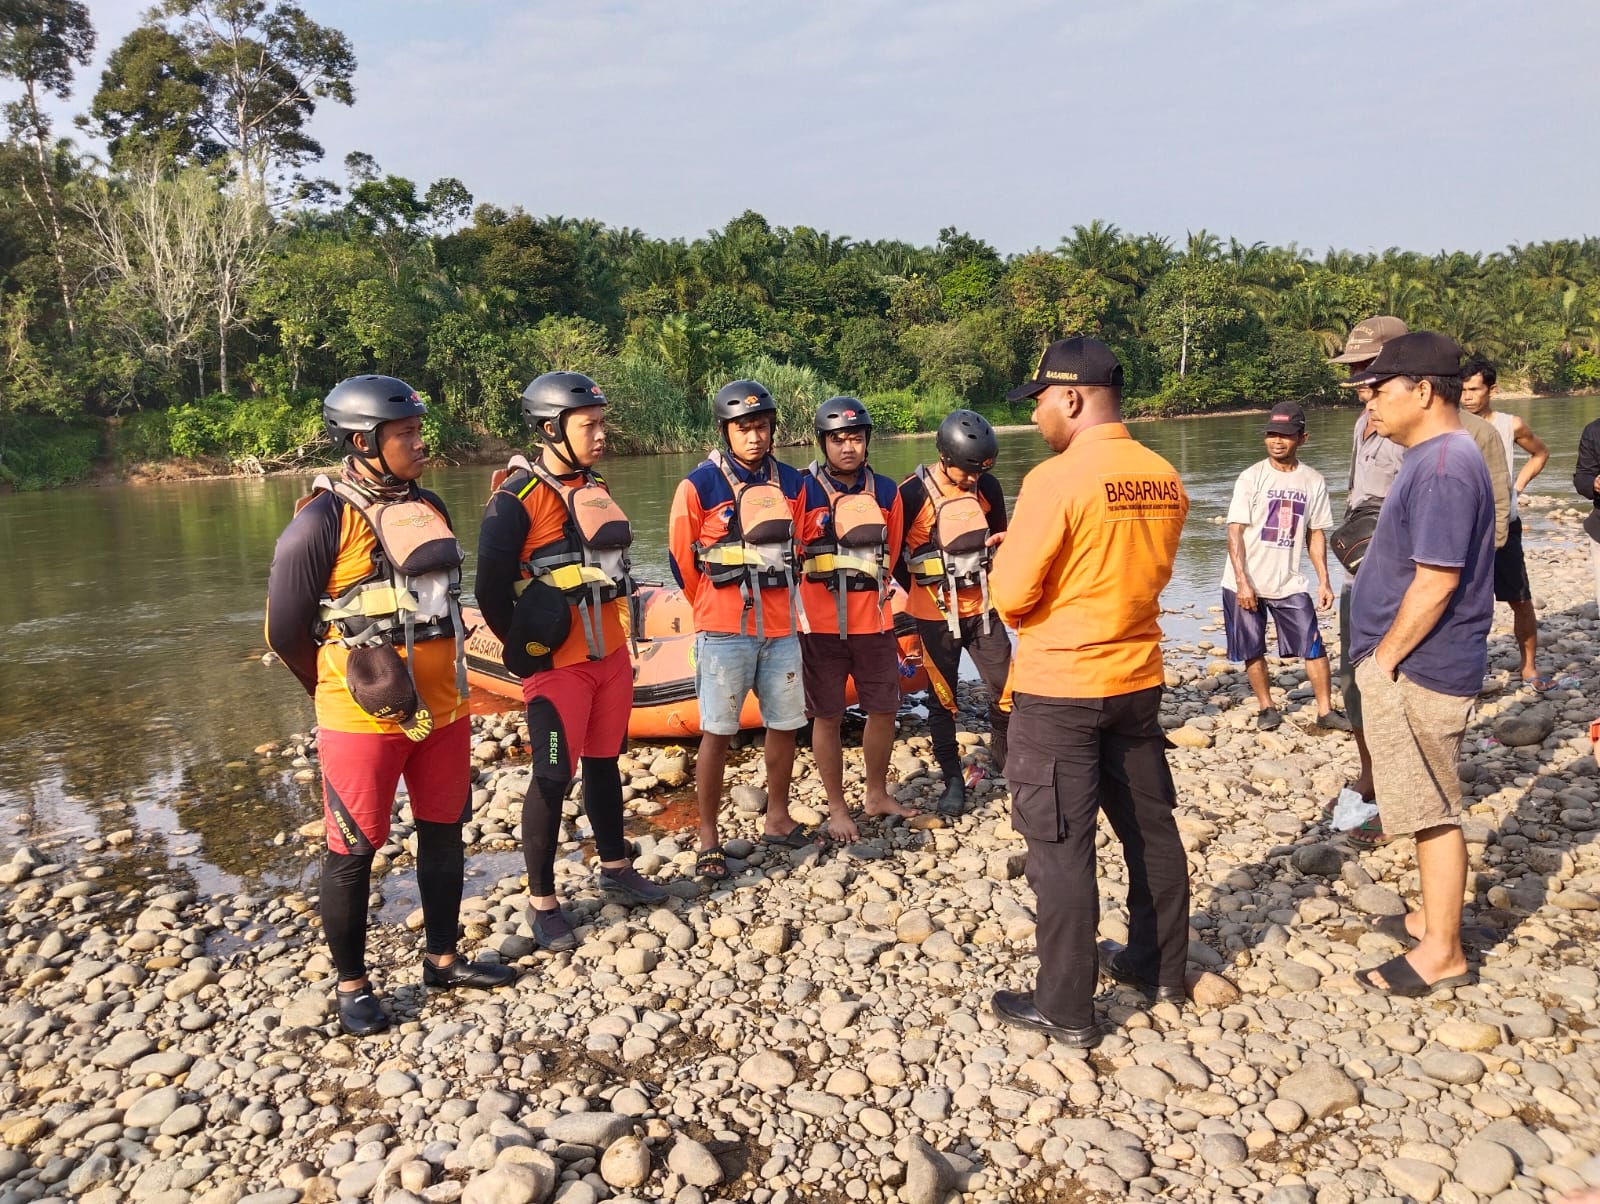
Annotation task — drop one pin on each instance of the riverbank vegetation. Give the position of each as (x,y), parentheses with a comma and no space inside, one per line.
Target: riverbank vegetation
(200,287)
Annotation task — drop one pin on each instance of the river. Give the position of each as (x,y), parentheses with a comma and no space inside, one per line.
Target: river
(133,690)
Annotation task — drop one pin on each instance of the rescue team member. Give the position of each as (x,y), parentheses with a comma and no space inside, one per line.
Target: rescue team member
(1279,508)
(850,529)
(553,584)
(1080,576)
(1420,620)
(730,540)
(363,606)
(956,517)
(1510,569)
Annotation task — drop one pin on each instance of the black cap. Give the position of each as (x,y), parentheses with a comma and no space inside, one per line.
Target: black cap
(1079,361)
(1287,418)
(1420,353)
(540,623)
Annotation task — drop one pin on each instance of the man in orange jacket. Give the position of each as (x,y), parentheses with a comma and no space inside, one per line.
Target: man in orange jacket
(1091,546)
(730,543)
(851,528)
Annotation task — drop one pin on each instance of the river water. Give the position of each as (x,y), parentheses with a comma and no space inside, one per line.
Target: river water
(133,693)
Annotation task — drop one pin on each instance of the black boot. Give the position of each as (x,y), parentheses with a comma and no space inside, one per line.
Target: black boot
(954,799)
(360,1014)
(462,973)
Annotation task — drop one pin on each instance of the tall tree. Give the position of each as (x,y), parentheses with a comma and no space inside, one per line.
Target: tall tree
(40,41)
(260,71)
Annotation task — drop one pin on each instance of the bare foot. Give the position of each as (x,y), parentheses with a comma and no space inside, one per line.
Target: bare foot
(886,805)
(842,829)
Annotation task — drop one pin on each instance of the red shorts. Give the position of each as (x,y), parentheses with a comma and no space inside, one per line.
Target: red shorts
(578,710)
(872,660)
(360,771)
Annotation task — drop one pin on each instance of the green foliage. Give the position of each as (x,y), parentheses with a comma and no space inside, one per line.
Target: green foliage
(467,304)
(222,427)
(40,453)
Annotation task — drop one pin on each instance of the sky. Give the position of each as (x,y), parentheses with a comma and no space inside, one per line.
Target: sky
(1359,125)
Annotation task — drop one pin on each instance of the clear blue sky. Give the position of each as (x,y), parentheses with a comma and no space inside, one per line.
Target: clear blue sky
(1362,124)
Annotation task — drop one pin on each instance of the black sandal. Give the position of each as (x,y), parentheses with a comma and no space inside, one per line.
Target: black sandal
(711,864)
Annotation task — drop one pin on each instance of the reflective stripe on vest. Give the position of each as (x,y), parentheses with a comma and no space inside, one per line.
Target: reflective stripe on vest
(414,591)
(854,557)
(757,553)
(957,553)
(590,562)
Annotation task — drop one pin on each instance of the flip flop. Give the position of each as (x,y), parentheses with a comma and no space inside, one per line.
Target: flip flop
(1368,835)
(1540,683)
(1406,982)
(798,837)
(711,865)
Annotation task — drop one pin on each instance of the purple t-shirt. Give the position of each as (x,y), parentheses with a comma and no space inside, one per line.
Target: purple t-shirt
(1439,512)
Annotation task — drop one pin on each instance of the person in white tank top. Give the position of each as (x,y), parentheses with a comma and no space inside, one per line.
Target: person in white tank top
(1510,569)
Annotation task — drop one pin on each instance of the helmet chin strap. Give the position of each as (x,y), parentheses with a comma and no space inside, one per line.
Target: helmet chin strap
(383,472)
(570,457)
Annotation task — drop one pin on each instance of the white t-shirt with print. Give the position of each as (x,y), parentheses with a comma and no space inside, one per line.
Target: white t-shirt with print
(1277,509)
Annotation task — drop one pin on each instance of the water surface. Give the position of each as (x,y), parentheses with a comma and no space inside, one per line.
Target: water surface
(133,689)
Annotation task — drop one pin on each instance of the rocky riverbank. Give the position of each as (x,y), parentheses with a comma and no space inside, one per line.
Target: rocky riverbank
(817,1029)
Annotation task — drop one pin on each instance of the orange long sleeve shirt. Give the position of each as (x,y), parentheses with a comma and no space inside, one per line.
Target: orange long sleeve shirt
(1080,574)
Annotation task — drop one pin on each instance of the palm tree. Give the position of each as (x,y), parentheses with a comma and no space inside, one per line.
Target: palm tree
(817,247)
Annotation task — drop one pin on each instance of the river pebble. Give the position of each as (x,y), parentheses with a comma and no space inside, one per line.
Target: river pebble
(819,1026)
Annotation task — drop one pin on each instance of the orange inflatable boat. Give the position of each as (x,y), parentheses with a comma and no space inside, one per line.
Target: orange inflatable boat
(665,706)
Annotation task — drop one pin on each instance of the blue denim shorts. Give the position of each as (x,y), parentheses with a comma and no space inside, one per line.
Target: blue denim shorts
(728,666)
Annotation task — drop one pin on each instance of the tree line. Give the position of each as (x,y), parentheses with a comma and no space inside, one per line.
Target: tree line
(198,289)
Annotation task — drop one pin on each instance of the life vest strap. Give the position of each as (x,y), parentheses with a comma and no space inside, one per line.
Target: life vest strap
(843,562)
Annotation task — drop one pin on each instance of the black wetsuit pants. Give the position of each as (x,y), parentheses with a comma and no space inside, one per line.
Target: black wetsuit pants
(991,653)
(541,820)
(347,881)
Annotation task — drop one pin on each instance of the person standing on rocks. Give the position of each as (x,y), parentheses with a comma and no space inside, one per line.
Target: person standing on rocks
(1374,465)
(850,529)
(1279,509)
(362,606)
(730,541)
(1510,569)
(1091,547)
(956,517)
(553,584)
(1420,615)
(1586,481)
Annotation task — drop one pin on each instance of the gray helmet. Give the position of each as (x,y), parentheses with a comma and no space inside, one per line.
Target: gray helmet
(842,414)
(550,396)
(364,403)
(742,399)
(967,441)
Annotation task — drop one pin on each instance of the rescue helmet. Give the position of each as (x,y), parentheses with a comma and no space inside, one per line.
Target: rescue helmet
(967,441)
(742,399)
(364,403)
(550,396)
(842,414)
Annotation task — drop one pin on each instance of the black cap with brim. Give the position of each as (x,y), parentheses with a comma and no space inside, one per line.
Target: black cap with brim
(1418,354)
(1075,361)
(540,624)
